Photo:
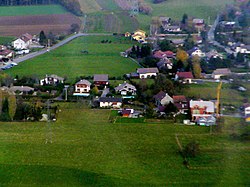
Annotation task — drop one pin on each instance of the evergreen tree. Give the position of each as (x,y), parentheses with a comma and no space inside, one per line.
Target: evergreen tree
(42,38)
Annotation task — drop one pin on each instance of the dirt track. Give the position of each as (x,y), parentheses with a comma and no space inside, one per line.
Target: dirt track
(17,25)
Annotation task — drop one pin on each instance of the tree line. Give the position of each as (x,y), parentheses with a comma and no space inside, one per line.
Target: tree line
(71,5)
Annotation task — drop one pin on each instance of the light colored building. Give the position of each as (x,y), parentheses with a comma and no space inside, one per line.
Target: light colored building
(145,73)
(82,88)
(110,102)
(51,80)
(218,73)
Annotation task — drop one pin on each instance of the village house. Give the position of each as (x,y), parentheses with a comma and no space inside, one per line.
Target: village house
(244,49)
(110,102)
(162,99)
(101,80)
(184,77)
(23,42)
(181,103)
(199,24)
(6,53)
(218,73)
(164,64)
(51,80)
(196,51)
(82,88)
(201,109)
(130,113)
(145,73)
(178,42)
(126,89)
(163,54)
(164,21)
(213,54)
(139,35)
(172,28)
(246,108)
(21,90)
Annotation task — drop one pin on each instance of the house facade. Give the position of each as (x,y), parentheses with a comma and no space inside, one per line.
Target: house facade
(184,77)
(51,80)
(126,89)
(82,88)
(145,73)
(201,109)
(23,42)
(181,102)
(110,102)
(218,73)
(101,80)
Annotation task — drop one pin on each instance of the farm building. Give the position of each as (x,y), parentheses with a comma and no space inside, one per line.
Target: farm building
(51,80)
(110,102)
(221,72)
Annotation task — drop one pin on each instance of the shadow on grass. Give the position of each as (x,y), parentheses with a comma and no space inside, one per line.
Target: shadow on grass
(38,175)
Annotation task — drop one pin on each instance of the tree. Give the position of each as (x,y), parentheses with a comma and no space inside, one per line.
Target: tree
(171,108)
(166,45)
(42,38)
(192,149)
(196,67)
(5,111)
(74,28)
(184,19)
(95,90)
(12,106)
(163,84)
(181,55)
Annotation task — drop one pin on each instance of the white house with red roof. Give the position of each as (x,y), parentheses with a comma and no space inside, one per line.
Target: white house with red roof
(23,42)
(184,77)
(82,88)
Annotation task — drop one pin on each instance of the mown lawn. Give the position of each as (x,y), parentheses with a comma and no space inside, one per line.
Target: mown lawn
(6,39)
(31,10)
(86,150)
(68,61)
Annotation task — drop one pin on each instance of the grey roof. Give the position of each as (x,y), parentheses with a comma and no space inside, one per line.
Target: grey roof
(125,86)
(55,77)
(224,71)
(147,70)
(198,21)
(160,95)
(21,88)
(208,104)
(101,77)
(110,99)
(84,82)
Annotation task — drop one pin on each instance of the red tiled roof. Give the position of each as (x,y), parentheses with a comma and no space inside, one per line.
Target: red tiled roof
(185,75)
(179,98)
(162,54)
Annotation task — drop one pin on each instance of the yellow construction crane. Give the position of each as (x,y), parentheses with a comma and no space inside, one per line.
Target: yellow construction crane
(218,100)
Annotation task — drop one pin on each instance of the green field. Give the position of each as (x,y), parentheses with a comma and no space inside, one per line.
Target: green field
(86,150)
(31,10)
(208,91)
(206,9)
(6,39)
(70,62)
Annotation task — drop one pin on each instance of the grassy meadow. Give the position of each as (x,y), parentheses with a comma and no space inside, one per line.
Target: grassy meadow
(31,10)
(86,150)
(69,61)
(6,39)
(208,91)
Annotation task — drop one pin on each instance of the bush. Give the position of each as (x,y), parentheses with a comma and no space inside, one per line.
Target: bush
(192,149)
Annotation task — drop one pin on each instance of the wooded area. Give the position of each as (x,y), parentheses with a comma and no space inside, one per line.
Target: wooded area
(71,5)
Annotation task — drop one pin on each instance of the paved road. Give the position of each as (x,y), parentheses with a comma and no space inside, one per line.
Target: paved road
(211,37)
(63,42)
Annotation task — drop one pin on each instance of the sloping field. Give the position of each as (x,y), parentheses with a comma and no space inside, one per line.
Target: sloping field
(89,6)
(31,10)
(119,22)
(123,4)
(17,25)
(69,61)
(87,150)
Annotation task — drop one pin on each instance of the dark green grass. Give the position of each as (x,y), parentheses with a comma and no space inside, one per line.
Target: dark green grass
(89,151)
(103,58)
(4,40)
(31,10)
